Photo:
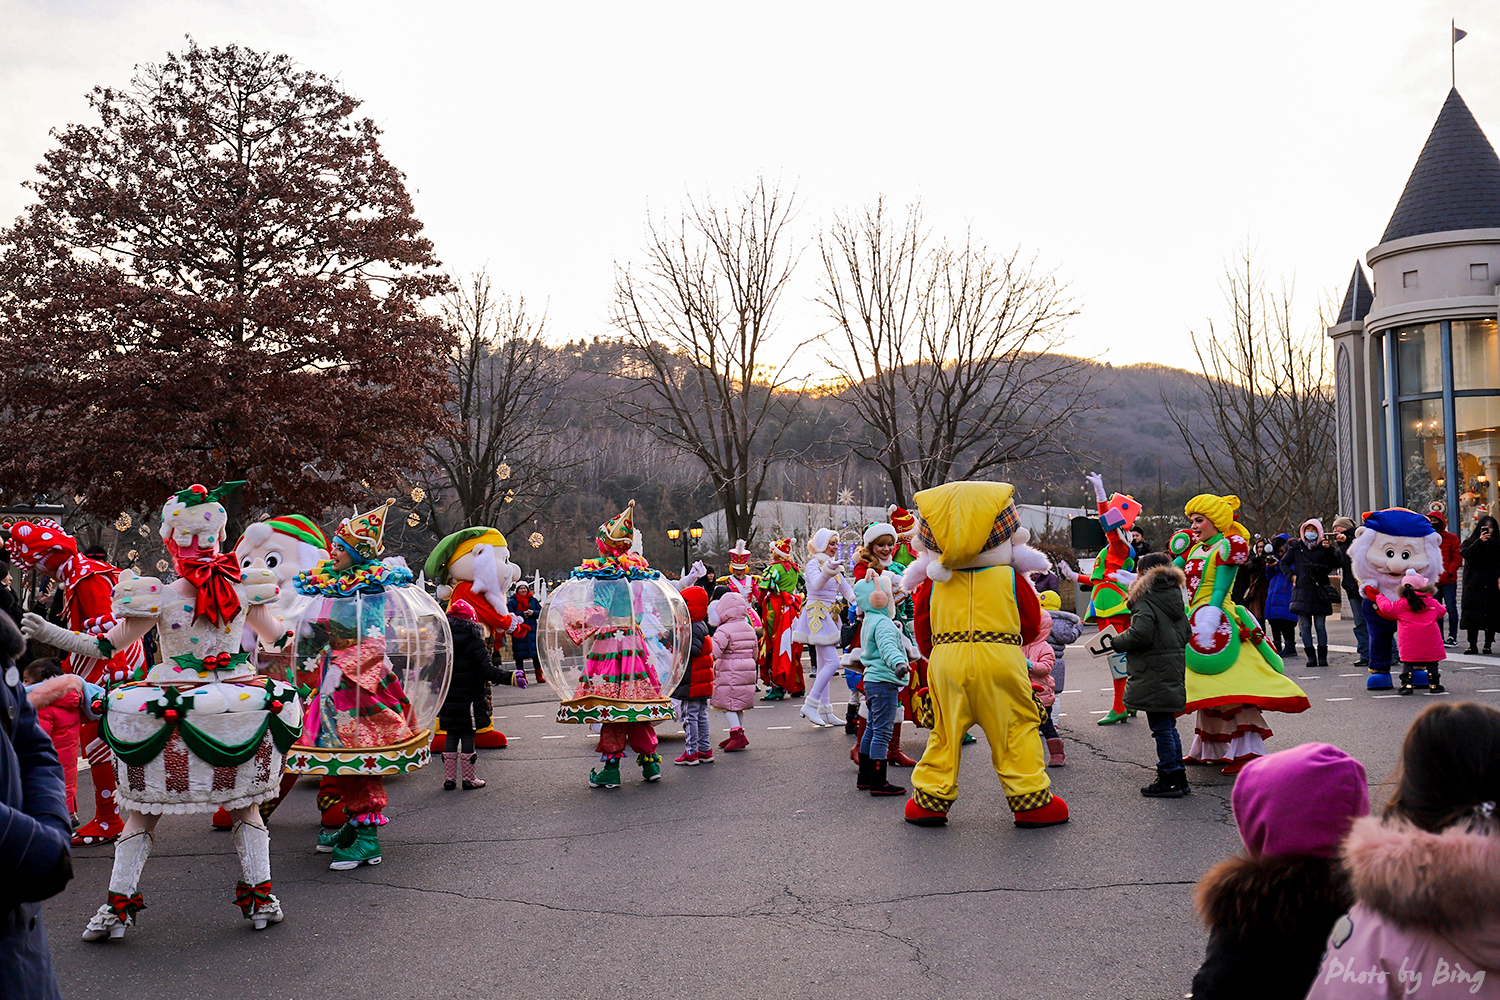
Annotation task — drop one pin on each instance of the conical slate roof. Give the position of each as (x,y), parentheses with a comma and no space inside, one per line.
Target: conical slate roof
(1358,298)
(1456,182)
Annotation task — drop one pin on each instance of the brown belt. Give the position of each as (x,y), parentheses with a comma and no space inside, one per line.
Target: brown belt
(1004,638)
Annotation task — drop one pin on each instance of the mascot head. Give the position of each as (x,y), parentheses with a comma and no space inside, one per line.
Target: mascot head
(1391,542)
(285,545)
(479,556)
(965,526)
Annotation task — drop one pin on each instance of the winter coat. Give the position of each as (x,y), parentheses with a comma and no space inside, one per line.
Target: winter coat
(1418,634)
(1345,566)
(1155,644)
(34,834)
(1428,903)
(734,648)
(524,646)
(1480,609)
(884,656)
(1066,629)
(1039,662)
(1308,566)
(1279,589)
(467,706)
(1267,920)
(1452,557)
(698,679)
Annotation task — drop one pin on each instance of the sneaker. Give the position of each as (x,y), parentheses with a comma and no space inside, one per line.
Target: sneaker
(1168,785)
(1452,640)
(1361,662)
(706,757)
(688,759)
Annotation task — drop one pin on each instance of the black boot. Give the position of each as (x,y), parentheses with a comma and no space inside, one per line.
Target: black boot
(851,719)
(866,771)
(1435,681)
(1168,785)
(1405,683)
(1322,656)
(878,784)
(1312,657)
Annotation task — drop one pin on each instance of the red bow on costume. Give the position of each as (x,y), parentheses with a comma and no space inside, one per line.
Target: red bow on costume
(215,578)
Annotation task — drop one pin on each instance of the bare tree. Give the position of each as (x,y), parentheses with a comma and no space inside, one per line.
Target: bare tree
(947,355)
(510,447)
(1265,428)
(699,314)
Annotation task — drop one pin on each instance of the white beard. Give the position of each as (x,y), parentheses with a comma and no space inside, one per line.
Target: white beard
(487,581)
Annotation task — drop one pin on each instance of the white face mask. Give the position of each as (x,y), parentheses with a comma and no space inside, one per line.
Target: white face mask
(1311,536)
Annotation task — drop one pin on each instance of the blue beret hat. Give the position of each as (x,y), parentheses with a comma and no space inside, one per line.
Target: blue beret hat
(1400,522)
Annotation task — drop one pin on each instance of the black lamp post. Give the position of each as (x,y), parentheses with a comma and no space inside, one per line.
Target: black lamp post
(689,538)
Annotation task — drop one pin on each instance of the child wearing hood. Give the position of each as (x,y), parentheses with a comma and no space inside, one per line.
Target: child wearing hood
(1426,873)
(887,670)
(1066,630)
(1155,648)
(734,647)
(697,682)
(1419,632)
(1269,911)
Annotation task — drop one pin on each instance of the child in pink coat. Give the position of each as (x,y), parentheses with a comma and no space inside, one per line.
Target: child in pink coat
(1040,658)
(734,650)
(1418,634)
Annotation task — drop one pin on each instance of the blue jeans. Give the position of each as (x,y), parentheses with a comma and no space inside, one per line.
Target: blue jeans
(1308,623)
(881,700)
(1448,594)
(1168,743)
(1361,630)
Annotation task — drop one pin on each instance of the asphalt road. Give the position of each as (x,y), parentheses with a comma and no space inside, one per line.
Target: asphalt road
(764,875)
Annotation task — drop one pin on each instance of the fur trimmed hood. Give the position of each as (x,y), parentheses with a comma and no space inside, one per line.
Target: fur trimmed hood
(1243,893)
(1156,578)
(1443,882)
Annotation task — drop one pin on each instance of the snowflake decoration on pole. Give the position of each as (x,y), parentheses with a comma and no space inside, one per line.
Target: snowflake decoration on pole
(846,497)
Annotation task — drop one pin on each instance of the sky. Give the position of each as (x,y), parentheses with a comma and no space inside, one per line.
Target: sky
(1132,149)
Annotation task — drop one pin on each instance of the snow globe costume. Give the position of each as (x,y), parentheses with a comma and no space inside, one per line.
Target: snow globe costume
(86,586)
(380,652)
(982,612)
(615,639)
(473,565)
(780,603)
(1387,545)
(1114,572)
(201,730)
(818,625)
(1233,673)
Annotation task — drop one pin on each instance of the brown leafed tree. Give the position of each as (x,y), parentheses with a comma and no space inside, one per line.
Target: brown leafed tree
(945,355)
(699,314)
(220,279)
(511,445)
(1264,429)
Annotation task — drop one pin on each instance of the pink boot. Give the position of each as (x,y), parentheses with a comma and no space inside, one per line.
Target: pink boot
(736,741)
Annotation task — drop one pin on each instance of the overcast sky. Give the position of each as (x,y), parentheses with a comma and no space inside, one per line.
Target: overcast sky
(1132,148)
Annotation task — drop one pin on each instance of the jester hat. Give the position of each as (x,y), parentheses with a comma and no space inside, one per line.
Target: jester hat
(363,535)
(617,534)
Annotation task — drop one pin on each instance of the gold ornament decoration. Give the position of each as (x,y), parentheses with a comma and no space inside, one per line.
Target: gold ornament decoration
(132,555)
(413,519)
(144,531)
(123,522)
(535,538)
(418,495)
(162,565)
(510,495)
(503,470)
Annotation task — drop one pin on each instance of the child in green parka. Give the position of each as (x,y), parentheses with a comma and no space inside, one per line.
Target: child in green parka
(1155,648)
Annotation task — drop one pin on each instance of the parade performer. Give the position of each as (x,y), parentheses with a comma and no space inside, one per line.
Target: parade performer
(739,581)
(818,625)
(981,612)
(1386,545)
(202,730)
(379,649)
(1114,572)
(473,565)
(631,630)
(86,585)
(1233,673)
(780,655)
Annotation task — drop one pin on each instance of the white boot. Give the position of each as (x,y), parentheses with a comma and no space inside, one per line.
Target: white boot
(111,919)
(830,717)
(253,895)
(812,712)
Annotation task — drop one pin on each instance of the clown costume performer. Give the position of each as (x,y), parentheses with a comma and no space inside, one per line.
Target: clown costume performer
(615,636)
(202,730)
(1233,673)
(780,656)
(380,650)
(818,626)
(86,586)
(1114,572)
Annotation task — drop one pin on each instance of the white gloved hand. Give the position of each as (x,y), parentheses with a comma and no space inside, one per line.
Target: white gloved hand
(1206,623)
(836,566)
(1097,482)
(39,629)
(1124,577)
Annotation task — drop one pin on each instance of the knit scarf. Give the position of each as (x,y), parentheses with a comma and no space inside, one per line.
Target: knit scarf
(215,577)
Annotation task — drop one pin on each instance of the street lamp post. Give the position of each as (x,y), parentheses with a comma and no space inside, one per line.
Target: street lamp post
(689,538)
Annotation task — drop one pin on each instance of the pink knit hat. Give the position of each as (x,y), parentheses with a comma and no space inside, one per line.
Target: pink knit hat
(1415,580)
(1299,801)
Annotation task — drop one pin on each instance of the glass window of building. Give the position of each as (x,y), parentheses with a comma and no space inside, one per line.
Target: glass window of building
(1422,458)
(1477,426)
(1476,354)
(1419,359)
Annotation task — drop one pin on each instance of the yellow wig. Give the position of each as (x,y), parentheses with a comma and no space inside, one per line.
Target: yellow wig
(1219,510)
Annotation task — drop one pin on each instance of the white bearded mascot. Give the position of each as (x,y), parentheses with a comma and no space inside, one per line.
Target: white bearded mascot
(1389,544)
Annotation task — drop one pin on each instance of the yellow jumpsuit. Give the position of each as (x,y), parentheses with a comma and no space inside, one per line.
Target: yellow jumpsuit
(977,674)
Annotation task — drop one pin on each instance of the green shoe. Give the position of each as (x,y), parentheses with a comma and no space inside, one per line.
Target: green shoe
(968,738)
(607,776)
(1112,718)
(365,850)
(650,767)
(331,837)
(773,694)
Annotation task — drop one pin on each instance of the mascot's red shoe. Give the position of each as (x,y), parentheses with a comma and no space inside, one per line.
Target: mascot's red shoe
(490,739)
(1051,814)
(918,816)
(222,820)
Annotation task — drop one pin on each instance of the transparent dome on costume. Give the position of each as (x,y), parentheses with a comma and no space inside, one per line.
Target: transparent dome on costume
(378,667)
(613,649)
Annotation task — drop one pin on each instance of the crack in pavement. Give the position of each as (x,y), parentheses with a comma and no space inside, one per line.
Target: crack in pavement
(1098,752)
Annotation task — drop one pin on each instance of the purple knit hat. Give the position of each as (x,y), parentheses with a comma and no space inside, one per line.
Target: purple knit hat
(1300,801)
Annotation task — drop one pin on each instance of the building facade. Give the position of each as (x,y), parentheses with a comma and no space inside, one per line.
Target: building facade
(1416,350)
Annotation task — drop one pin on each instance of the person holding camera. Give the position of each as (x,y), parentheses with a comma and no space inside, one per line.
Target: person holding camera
(1480,610)
(1447,581)
(1309,558)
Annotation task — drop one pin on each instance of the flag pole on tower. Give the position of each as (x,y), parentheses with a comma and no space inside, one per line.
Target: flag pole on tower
(1458,35)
